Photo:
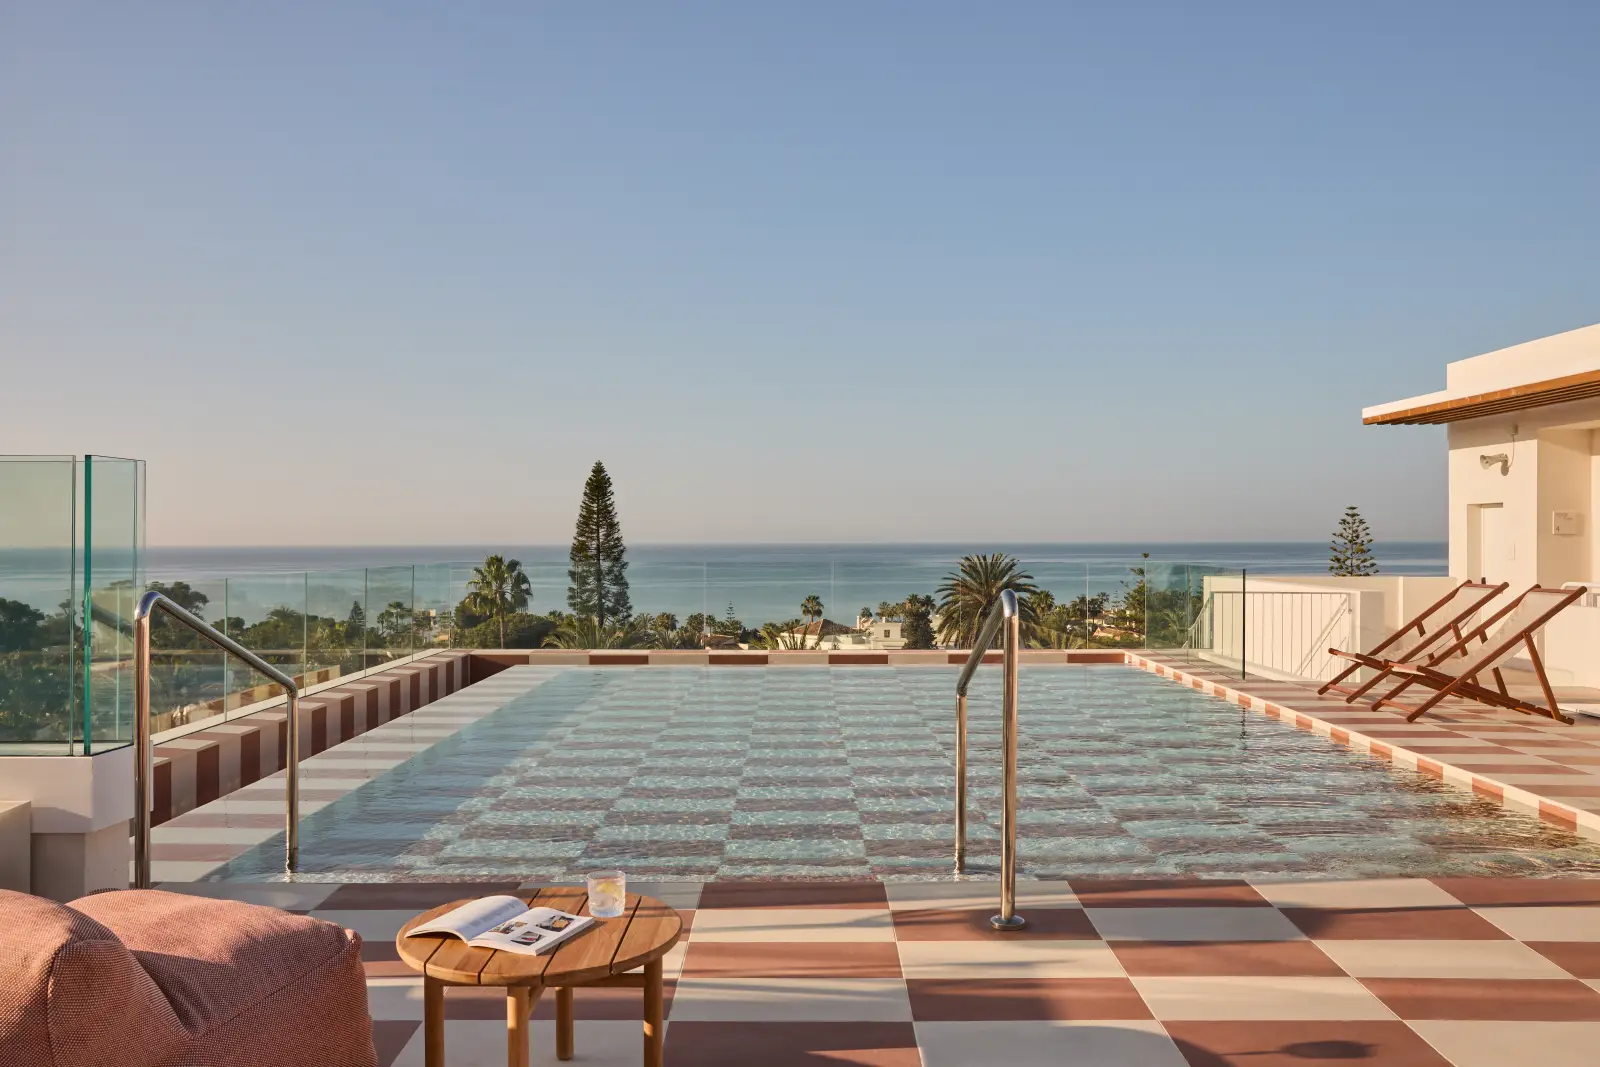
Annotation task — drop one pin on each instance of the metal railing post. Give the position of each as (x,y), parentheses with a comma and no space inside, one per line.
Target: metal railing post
(1005,612)
(291,785)
(143,753)
(961,782)
(144,750)
(1008,919)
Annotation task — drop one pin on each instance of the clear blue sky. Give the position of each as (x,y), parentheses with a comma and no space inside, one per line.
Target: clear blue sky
(794,271)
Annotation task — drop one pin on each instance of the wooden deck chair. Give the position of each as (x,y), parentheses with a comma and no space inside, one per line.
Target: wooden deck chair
(1456,670)
(1449,616)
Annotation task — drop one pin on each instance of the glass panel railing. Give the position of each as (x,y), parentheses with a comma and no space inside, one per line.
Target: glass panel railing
(337,616)
(113,494)
(189,676)
(781,604)
(391,630)
(40,601)
(876,596)
(265,613)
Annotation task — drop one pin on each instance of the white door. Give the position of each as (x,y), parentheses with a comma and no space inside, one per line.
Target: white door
(1491,561)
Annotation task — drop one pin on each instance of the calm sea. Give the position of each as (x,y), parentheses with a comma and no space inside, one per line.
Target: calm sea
(760,581)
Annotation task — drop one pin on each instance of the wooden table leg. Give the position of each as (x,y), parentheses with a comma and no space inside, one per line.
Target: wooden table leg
(564,1022)
(653,1031)
(518,1007)
(432,1022)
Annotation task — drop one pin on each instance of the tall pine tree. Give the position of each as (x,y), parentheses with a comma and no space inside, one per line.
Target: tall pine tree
(1351,551)
(599,567)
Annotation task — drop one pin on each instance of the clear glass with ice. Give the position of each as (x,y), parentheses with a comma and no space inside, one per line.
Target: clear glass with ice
(608,893)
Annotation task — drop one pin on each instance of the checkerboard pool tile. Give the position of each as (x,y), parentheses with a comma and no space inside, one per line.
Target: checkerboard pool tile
(1182,973)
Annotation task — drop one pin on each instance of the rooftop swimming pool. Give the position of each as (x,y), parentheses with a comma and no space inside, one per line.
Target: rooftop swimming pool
(847,772)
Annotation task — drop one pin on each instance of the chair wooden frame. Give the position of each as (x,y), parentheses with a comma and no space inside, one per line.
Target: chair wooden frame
(1375,660)
(1465,682)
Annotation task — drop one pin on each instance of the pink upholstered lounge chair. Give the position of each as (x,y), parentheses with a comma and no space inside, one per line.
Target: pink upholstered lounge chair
(142,978)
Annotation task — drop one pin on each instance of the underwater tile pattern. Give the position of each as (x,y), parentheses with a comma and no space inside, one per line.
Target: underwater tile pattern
(683,773)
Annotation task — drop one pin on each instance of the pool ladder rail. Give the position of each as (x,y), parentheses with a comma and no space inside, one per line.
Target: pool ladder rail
(144,750)
(1004,612)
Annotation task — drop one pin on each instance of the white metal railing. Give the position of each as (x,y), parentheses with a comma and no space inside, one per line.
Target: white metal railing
(1274,632)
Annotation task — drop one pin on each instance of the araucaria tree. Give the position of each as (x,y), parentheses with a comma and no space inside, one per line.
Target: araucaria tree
(1351,550)
(599,565)
(497,589)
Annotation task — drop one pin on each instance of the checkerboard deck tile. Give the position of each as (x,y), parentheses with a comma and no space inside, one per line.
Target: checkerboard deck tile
(1109,973)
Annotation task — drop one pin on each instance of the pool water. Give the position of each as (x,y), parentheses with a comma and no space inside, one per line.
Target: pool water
(701,773)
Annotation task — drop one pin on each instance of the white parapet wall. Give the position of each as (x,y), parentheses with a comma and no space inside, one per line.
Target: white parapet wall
(79,809)
(1571,647)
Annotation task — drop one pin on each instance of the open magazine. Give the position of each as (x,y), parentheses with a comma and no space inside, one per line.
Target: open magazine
(507,924)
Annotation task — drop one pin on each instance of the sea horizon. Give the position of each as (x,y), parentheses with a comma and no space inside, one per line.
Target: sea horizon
(757,581)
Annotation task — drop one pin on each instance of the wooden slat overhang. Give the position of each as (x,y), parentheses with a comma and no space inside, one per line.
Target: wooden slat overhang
(1533,395)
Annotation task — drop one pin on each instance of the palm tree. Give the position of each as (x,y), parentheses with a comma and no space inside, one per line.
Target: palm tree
(968,593)
(811,607)
(498,588)
(587,632)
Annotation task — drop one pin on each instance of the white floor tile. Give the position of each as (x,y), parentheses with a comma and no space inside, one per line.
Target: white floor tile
(1132,1043)
(791,1000)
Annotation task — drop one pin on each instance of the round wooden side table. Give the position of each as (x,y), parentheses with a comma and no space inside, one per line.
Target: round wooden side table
(602,955)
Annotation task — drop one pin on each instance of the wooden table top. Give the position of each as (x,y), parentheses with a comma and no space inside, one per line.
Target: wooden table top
(644,931)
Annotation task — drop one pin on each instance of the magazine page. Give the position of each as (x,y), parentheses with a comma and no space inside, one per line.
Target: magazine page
(532,932)
(474,917)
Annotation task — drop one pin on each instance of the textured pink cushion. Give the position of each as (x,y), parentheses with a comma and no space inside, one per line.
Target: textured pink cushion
(71,995)
(250,984)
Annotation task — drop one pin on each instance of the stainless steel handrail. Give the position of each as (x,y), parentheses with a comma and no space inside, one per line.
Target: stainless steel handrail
(1005,611)
(144,751)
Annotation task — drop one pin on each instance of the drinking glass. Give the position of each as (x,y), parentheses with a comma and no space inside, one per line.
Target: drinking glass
(608,893)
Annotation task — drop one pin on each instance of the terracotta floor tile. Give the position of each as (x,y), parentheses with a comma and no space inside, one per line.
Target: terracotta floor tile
(768,925)
(1165,893)
(793,895)
(1302,1044)
(698,1044)
(972,924)
(1432,924)
(1225,958)
(1475,891)
(1530,1000)
(985,999)
(1581,959)
(827,959)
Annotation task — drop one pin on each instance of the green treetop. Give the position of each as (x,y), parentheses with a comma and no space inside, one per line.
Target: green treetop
(1350,553)
(599,565)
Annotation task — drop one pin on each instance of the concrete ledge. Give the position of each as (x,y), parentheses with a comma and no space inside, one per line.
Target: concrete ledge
(16,850)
